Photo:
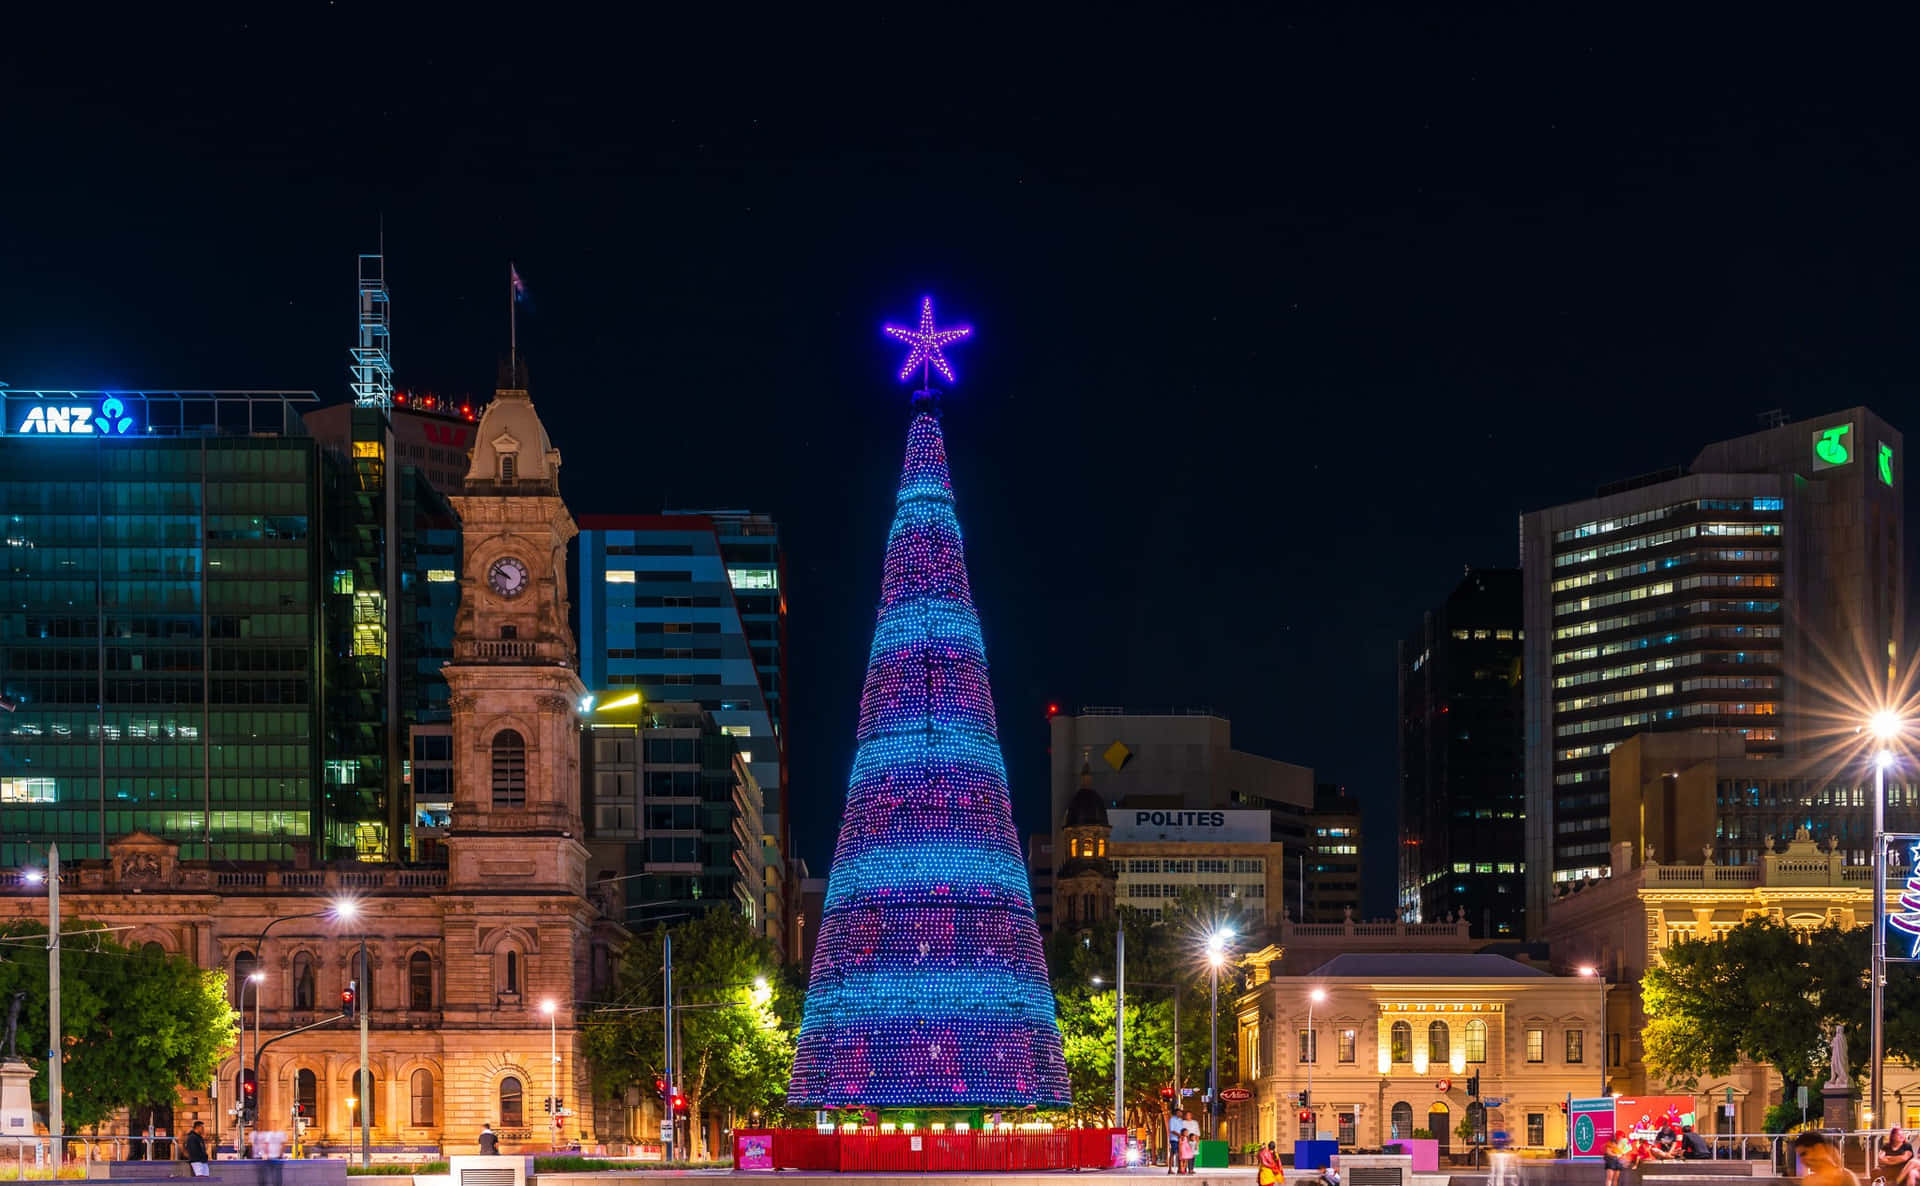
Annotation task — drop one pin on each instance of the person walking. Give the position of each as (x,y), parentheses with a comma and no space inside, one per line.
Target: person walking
(196,1150)
(1270,1170)
(489,1142)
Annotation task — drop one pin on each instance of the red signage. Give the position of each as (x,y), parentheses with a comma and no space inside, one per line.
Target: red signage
(445,434)
(1444,1085)
(1235,1095)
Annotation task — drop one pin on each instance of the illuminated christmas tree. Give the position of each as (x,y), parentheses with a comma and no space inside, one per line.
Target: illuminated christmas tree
(929,988)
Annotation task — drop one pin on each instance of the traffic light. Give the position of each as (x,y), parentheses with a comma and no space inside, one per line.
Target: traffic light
(1166,1093)
(1306,1116)
(1473,1086)
(660,1086)
(679,1104)
(547,1103)
(1306,1099)
(348,997)
(249,1095)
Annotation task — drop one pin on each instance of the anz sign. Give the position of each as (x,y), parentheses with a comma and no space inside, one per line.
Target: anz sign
(109,418)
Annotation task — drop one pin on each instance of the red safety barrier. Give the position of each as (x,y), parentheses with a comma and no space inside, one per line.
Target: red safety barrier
(935,1152)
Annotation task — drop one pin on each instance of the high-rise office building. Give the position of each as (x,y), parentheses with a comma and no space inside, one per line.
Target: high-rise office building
(159,632)
(689,608)
(1753,593)
(1333,856)
(1463,800)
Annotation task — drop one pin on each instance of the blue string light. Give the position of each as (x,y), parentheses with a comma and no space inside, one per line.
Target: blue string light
(929,988)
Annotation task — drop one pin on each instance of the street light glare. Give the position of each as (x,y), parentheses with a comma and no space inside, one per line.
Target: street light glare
(34,876)
(1886,724)
(759,984)
(547,1006)
(258,977)
(1587,970)
(1317,996)
(346,908)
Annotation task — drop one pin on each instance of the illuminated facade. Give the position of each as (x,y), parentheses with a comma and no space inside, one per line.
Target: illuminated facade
(158,624)
(1396,1039)
(1225,855)
(1620,925)
(1463,802)
(1728,598)
(689,608)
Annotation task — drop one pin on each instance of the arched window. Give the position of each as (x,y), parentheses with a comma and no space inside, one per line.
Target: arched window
(303,981)
(509,769)
(1402,1121)
(1439,1049)
(510,1103)
(152,950)
(1477,1116)
(1400,1038)
(1476,1040)
(512,982)
(423,1098)
(1440,1124)
(244,965)
(306,1093)
(509,463)
(420,981)
(364,1097)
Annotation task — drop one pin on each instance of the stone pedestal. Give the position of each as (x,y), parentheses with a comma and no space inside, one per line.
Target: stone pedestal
(16,1100)
(1839,1114)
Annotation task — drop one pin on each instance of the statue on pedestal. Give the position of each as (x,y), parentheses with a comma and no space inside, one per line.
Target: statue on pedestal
(1839,1078)
(13,1023)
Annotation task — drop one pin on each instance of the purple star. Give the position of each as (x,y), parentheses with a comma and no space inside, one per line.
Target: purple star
(926,342)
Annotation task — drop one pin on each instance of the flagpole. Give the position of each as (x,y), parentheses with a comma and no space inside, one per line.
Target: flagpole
(513,331)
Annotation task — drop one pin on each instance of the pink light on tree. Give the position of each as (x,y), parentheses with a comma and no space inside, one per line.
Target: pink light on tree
(926,342)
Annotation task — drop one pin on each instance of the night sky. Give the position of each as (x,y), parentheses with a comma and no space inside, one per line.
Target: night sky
(1278,324)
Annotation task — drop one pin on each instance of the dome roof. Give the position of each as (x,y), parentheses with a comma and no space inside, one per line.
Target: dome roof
(510,425)
(1086,809)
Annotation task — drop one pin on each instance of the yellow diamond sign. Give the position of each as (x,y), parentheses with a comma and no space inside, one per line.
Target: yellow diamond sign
(1117,754)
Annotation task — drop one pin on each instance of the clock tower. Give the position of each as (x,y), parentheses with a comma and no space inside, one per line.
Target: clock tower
(514,682)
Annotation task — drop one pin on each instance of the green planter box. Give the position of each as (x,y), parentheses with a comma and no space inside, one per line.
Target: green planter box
(1212,1155)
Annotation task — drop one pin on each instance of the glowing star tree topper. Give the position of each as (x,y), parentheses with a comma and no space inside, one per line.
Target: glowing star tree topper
(927,342)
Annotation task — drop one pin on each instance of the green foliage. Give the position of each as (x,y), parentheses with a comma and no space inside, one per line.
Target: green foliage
(136,1026)
(1765,992)
(1467,1130)
(1169,950)
(736,1049)
(395,1169)
(1422,1134)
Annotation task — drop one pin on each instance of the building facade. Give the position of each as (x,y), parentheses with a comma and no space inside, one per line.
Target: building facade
(1160,854)
(475,970)
(1736,596)
(1619,925)
(159,625)
(1395,1039)
(1332,883)
(1463,802)
(690,608)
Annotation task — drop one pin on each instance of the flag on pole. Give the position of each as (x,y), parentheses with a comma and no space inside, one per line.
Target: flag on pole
(519,285)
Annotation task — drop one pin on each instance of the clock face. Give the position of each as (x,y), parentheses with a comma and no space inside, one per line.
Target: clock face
(507,577)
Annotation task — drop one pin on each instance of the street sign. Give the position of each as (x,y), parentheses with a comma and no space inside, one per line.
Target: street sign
(1493,1101)
(666,1131)
(1235,1095)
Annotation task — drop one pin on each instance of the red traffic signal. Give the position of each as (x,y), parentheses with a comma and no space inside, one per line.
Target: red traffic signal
(1166,1093)
(1306,1115)
(248,1084)
(679,1105)
(347,996)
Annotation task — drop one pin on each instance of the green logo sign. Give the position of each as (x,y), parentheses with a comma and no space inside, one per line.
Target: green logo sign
(1832,446)
(1886,463)
(1583,1133)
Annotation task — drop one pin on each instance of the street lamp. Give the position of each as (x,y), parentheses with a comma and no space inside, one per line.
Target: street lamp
(1885,725)
(553,1056)
(1317,996)
(343,909)
(1606,1037)
(1216,956)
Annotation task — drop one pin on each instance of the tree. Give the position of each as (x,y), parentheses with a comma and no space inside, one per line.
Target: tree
(1168,949)
(736,1040)
(1768,993)
(137,1026)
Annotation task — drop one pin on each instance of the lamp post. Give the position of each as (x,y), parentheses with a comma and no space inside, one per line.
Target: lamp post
(254,980)
(1593,973)
(1315,997)
(1886,726)
(342,909)
(56,1045)
(1216,956)
(553,1056)
(1175,990)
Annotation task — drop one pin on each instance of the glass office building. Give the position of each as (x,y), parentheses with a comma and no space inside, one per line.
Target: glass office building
(158,623)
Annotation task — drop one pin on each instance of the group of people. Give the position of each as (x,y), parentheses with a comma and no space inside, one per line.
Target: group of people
(1628,1151)
(1183,1142)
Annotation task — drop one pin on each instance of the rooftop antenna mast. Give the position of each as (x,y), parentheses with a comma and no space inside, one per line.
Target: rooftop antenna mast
(373,355)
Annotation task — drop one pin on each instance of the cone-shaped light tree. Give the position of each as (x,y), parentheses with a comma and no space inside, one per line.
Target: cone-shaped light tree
(929,988)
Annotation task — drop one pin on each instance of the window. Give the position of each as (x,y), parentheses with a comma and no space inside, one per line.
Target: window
(1309,1048)
(1576,1045)
(420,982)
(1613,1049)
(1253,1051)
(303,981)
(423,1098)
(363,1097)
(509,769)
(1401,1039)
(152,950)
(1536,1129)
(1476,1040)
(1346,1133)
(510,1116)
(513,971)
(617,576)
(1402,1121)
(753,578)
(1347,1044)
(509,463)
(244,965)
(306,1093)
(1536,1045)
(1439,1049)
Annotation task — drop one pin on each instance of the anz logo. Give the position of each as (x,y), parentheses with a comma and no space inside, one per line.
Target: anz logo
(111,419)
